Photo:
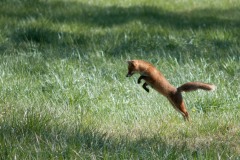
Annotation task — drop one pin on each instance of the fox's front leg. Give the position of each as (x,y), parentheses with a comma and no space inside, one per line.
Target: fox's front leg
(145,84)
(145,87)
(140,78)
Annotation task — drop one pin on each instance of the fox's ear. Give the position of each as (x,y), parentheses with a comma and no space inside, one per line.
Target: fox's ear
(131,62)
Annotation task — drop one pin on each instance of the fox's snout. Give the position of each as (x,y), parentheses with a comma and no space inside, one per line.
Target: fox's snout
(131,68)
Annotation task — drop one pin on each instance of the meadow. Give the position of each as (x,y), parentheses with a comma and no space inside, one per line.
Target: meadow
(64,92)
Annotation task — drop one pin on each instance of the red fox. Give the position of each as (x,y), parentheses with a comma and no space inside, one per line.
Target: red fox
(157,81)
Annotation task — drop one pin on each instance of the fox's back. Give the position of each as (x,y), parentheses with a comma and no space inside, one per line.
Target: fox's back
(158,81)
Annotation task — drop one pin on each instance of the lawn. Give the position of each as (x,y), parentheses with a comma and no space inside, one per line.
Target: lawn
(64,94)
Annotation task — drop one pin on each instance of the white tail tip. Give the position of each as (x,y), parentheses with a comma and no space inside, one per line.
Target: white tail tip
(213,87)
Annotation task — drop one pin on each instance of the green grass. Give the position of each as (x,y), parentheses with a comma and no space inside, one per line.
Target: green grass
(64,94)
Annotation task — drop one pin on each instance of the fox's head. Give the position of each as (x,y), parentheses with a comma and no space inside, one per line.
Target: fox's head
(132,68)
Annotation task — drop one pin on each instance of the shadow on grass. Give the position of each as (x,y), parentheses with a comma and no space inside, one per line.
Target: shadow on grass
(38,139)
(109,16)
(35,137)
(68,12)
(114,15)
(35,134)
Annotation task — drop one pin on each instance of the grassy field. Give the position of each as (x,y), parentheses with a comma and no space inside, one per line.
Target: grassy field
(64,94)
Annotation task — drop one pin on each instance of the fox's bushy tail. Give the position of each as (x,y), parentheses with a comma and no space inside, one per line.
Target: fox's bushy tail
(192,86)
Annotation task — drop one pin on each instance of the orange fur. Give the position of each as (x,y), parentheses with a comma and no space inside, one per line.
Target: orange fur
(157,81)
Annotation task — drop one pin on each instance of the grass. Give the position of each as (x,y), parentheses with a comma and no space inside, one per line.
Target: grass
(64,94)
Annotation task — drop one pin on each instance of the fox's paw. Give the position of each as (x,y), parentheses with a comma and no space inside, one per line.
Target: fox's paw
(139,81)
(146,89)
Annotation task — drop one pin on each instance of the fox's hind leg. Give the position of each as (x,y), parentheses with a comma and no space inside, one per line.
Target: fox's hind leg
(177,101)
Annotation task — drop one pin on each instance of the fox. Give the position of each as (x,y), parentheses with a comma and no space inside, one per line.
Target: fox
(155,79)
